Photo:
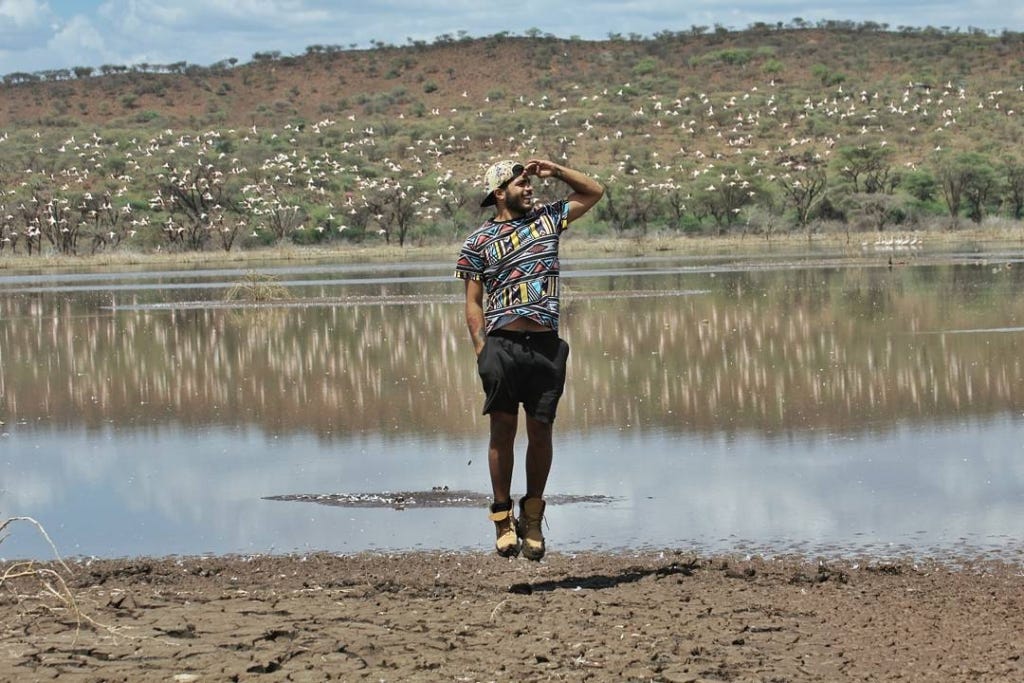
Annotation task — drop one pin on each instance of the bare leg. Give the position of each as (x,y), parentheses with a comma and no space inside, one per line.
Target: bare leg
(500,454)
(538,457)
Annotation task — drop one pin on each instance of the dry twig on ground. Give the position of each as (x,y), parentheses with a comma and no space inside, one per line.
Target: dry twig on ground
(50,580)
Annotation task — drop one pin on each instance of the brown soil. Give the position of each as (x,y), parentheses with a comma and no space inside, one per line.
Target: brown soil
(476,617)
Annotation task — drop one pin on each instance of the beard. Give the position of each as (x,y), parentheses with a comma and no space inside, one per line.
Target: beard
(521,204)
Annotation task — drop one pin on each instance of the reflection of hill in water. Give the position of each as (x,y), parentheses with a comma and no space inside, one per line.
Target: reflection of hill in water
(841,350)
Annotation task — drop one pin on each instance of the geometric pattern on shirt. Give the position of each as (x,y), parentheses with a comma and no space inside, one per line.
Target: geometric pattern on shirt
(517,260)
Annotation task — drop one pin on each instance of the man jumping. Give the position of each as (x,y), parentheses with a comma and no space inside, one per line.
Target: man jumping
(513,258)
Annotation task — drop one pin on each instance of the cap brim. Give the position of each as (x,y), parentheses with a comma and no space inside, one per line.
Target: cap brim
(488,200)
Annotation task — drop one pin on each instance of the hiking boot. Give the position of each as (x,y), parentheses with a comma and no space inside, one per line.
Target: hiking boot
(531,514)
(507,543)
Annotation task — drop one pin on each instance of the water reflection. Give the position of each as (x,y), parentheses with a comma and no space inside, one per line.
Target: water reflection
(724,406)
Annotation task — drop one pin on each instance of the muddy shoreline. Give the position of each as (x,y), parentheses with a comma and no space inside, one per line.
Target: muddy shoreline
(429,616)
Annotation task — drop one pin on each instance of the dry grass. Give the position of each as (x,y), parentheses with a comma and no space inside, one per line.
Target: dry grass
(50,584)
(39,527)
(993,232)
(43,588)
(258,288)
(1006,233)
(349,254)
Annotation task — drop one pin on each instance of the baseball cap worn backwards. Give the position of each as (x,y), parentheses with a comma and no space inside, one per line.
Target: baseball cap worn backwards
(497,176)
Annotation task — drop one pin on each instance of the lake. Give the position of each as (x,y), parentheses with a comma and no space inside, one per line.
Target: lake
(776,403)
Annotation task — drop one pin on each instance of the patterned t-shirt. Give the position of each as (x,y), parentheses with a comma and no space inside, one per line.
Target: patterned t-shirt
(517,261)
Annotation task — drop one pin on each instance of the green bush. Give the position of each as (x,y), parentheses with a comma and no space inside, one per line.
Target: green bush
(645,66)
(729,56)
(147,116)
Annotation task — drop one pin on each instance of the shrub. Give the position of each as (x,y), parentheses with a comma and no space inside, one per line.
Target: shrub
(256,287)
(645,66)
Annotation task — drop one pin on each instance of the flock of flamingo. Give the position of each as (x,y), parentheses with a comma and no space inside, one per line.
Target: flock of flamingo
(384,176)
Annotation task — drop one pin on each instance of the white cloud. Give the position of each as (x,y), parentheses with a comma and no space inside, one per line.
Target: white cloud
(21,12)
(78,43)
(203,32)
(96,32)
(24,24)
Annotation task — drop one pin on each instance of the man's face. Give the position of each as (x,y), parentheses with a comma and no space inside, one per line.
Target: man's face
(519,194)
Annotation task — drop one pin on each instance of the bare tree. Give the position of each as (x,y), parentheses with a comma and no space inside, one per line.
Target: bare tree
(53,218)
(194,198)
(1014,171)
(724,200)
(676,200)
(226,230)
(451,200)
(969,178)
(357,217)
(627,207)
(102,222)
(13,217)
(268,208)
(867,168)
(803,188)
(877,209)
(394,206)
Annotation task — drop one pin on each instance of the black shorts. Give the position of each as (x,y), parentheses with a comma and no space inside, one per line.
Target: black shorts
(523,367)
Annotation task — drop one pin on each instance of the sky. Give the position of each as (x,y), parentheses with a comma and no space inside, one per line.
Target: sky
(37,35)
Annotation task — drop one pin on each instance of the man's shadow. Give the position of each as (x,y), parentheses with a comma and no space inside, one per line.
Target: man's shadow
(603,581)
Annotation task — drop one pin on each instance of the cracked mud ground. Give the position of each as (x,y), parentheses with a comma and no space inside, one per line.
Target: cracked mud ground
(475,617)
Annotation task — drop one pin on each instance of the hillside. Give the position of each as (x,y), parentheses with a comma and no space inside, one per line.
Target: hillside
(764,129)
